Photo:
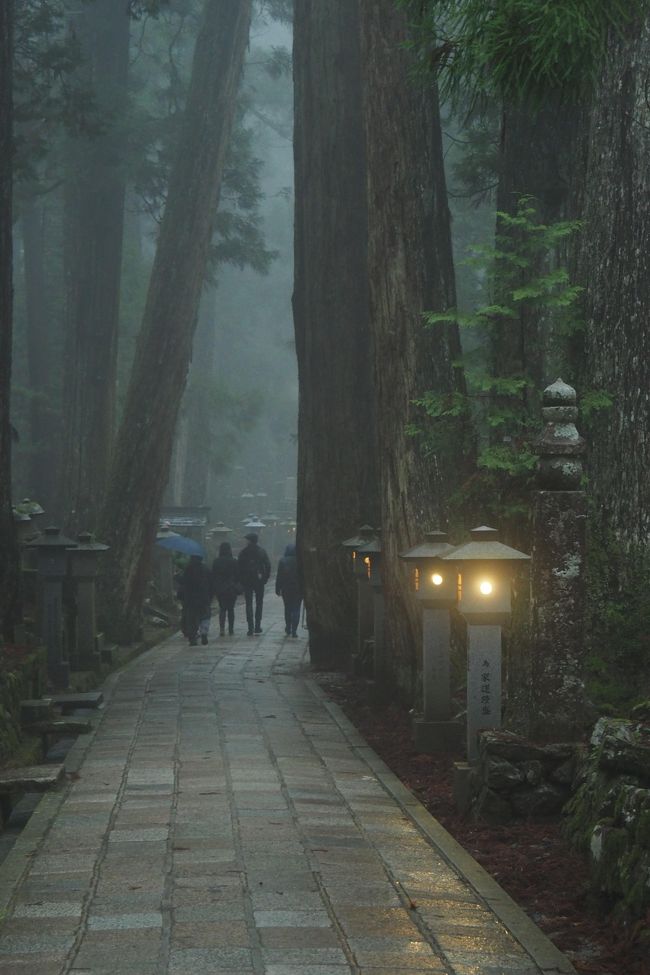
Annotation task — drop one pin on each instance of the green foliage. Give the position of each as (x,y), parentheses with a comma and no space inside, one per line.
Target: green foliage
(49,96)
(521,277)
(594,400)
(516,49)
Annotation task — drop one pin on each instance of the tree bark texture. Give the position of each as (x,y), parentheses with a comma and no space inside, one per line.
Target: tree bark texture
(410,272)
(337,473)
(8,546)
(94,224)
(616,274)
(144,443)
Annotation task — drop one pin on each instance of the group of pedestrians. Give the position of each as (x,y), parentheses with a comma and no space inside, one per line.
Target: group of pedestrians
(231,577)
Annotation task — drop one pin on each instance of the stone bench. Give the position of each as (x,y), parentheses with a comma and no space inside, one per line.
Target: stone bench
(16,782)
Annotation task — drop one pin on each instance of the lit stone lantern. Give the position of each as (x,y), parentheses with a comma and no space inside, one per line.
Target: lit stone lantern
(370,556)
(485,567)
(364,593)
(436,587)
(52,561)
(363,537)
(84,564)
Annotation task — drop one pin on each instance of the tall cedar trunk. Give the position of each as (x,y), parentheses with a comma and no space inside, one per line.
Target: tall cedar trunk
(616,276)
(143,449)
(196,461)
(8,547)
(39,358)
(94,225)
(410,272)
(337,473)
(539,157)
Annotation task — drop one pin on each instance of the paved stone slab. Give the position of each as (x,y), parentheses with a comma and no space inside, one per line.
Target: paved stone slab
(225,817)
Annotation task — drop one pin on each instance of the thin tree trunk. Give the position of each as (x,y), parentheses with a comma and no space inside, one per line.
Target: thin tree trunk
(337,471)
(8,546)
(199,422)
(39,357)
(616,275)
(410,272)
(144,444)
(94,226)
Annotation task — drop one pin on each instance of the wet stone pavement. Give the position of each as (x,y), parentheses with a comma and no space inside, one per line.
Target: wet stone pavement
(225,818)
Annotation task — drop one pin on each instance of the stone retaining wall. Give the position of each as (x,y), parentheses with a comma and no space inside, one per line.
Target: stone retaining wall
(515,778)
(608,817)
(21,678)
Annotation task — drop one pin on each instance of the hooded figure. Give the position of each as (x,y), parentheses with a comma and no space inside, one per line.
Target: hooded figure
(195,592)
(287,585)
(225,580)
(254,571)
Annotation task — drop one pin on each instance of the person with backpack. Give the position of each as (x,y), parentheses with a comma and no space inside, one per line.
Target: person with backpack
(225,580)
(287,585)
(254,571)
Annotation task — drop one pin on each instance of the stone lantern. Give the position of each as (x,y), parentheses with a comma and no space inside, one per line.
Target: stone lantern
(52,561)
(486,567)
(84,564)
(555,703)
(370,556)
(436,588)
(364,593)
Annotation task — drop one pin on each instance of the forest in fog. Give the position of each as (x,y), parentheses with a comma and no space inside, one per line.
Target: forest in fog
(453,194)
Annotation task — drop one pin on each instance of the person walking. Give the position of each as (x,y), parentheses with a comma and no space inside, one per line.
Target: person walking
(287,585)
(254,571)
(195,593)
(225,583)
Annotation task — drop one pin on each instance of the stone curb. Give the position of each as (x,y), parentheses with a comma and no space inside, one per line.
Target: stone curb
(541,949)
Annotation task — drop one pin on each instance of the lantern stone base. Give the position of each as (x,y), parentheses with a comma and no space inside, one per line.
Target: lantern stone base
(464,786)
(435,736)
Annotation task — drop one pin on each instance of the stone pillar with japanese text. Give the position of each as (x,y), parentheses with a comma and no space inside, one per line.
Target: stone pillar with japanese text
(558,571)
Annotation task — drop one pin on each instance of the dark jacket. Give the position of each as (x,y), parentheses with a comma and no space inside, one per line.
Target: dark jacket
(225,576)
(254,566)
(287,581)
(195,589)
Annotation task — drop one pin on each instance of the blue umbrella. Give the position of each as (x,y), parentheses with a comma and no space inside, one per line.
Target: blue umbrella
(181,543)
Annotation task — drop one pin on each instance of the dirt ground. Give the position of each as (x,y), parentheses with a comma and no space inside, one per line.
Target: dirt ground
(530,860)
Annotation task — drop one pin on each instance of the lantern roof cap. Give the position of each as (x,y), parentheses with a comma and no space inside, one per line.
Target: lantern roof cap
(484,545)
(86,543)
(29,507)
(373,547)
(365,535)
(435,546)
(219,529)
(51,537)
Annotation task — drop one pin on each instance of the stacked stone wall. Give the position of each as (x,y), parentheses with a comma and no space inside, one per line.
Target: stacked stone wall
(608,817)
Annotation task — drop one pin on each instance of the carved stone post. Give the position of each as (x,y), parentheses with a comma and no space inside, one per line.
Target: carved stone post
(557,577)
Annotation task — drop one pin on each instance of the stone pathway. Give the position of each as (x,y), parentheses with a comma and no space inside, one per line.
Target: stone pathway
(225,818)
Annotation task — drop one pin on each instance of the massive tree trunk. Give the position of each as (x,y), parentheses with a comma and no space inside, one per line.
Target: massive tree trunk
(8,547)
(43,462)
(337,473)
(616,275)
(94,225)
(410,272)
(143,448)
